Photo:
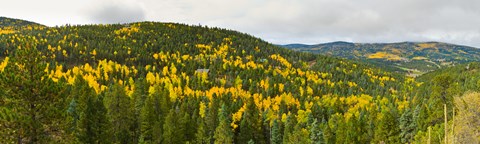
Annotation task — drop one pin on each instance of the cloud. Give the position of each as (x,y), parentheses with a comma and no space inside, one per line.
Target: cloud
(281,21)
(317,21)
(121,11)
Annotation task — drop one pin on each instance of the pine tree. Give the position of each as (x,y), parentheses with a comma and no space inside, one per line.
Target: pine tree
(316,135)
(169,127)
(387,129)
(151,123)
(276,136)
(139,97)
(407,126)
(172,129)
(223,132)
(328,135)
(73,115)
(182,126)
(289,128)
(211,118)
(251,125)
(81,96)
(189,120)
(200,135)
(120,112)
(94,125)
(443,86)
(35,98)
(73,112)
(183,119)
(299,135)
(154,112)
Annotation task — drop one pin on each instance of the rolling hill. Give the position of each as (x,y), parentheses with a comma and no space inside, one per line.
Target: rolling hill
(152,82)
(166,83)
(11,25)
(410,57)
(11,22)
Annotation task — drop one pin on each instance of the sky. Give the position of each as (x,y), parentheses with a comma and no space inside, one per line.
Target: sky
(277,21)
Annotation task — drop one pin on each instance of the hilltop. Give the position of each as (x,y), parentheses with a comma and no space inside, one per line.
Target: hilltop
(409,57)
(11,25)
(11,22)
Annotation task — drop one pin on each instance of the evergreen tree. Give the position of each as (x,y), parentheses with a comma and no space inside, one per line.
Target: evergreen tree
(120,113)
(151,122)
(189,119)
(223,132)
(172,129)
(154,112)
(387,129)
(94,125)
(211,118)
(251,125)
(183,119)
(200,135)
(169,127)
(139,97)
(328,135)
(81,96)
(276,136)
(407,126)
(299,135)
(289,128)
(36,99)
(316,135)
(76,106)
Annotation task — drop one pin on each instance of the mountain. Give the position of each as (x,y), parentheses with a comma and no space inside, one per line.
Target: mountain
(152,82)
(413,58)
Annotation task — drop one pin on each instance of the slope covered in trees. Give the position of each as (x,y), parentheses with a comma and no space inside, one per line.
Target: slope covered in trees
(9,25)
(10,22)
(151,82)
(453,87)
(413,58)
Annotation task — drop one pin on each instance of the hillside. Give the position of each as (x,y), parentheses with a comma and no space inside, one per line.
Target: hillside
(10,25)
(10,22)
(414,58)
(151,82)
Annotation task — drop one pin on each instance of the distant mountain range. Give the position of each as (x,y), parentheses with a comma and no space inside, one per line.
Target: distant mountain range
(412,58)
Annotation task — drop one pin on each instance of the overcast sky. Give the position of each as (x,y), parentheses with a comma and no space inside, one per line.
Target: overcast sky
(277,21)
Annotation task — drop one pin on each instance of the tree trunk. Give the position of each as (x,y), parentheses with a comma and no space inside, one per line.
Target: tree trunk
(446,123)
(33,136)
(453,127)
(428,142)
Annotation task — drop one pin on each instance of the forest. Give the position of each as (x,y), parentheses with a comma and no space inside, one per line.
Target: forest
(151,82)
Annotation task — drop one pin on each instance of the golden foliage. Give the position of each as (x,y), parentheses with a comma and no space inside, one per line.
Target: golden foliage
(4,64)
(202,110)
(419,58)
(384,55)
(467,118)
(6,31)
(422,46)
